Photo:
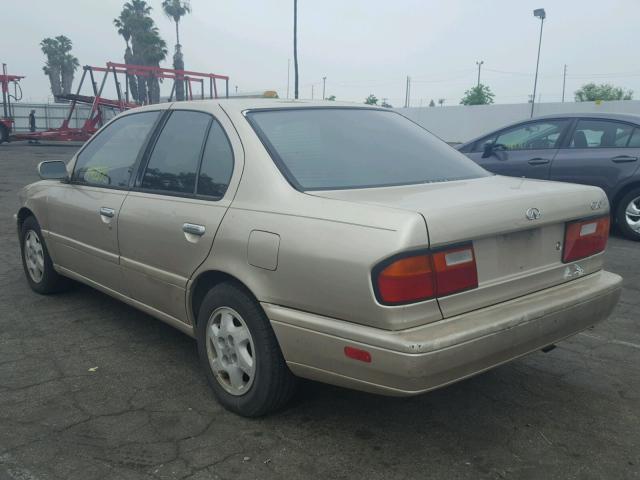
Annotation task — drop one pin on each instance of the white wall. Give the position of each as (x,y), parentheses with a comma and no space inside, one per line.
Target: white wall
(461,123)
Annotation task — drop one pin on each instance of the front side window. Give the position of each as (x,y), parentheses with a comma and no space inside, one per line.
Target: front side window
(600,134)
(173,164)
(336,148)
(532,136)
(108,160)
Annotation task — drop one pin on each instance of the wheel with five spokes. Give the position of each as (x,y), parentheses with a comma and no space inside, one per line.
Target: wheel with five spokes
(628,215)
(36,261)
(240,353)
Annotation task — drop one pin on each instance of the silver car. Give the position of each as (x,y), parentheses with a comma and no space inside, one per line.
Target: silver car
(329,241)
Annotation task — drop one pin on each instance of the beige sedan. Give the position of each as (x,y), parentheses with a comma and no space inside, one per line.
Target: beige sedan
(330,241)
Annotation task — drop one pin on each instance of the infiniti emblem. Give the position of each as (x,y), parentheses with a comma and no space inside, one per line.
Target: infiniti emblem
(533,214)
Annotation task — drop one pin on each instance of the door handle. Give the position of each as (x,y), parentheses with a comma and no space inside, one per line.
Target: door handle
(624,159)
(193,229)
(539,161)
(107,212)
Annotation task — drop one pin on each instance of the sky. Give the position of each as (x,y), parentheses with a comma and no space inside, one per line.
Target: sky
(362,47)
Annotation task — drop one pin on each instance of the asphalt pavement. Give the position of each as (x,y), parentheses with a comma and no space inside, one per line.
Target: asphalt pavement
(93,389)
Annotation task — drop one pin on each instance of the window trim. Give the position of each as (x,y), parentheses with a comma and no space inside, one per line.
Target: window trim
(136,164)
(144,162)
(567,143)
(286,172)
(496,134)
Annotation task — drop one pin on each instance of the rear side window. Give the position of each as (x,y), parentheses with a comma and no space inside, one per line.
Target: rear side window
(173,164)
(217,164)
(108,160)
(336,148)
(600,134)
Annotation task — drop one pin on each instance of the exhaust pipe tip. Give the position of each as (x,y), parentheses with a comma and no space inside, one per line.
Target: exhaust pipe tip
(548,348)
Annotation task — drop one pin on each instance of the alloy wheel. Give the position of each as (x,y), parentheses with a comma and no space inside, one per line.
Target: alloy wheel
(632,214)
(34,256)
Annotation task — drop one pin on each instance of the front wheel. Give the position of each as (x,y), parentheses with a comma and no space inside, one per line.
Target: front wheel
(240,353)
(628,215)
(36,261)
(4,134)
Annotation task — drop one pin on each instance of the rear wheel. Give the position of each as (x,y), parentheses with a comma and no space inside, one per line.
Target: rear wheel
(628,215)
(36,261)
(240,353)
(4,134)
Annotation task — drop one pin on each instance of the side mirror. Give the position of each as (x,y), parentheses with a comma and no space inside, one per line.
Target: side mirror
(53,170)
(487,150)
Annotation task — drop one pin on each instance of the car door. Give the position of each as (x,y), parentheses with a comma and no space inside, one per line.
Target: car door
(598,152)
(83,213)
(524,150)
(170,218)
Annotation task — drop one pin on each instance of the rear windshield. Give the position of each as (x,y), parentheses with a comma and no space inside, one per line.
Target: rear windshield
(337,148)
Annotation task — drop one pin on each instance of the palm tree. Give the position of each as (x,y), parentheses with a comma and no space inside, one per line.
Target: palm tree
(60,65)
(144,46)
(176,9)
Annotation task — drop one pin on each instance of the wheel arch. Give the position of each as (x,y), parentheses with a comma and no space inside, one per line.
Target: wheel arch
(22,215)
(620,194)
(204,282)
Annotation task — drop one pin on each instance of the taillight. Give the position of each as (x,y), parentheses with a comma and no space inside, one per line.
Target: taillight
(420,277)
(584,238)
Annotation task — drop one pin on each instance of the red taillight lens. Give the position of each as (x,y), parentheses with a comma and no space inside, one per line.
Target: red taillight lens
(421,277)
(406,280)
(585,238)
(455,270)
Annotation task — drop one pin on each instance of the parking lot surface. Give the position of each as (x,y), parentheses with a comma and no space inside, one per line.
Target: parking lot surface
(93,389)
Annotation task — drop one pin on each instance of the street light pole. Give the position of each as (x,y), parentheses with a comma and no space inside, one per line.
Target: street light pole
(479,67)
(295,47)
(540,13)
(564,81)
(288,75)
(324,84)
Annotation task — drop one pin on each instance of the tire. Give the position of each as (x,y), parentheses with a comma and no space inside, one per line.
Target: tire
(249,388)
(629,225)
(37,264)
(4,134)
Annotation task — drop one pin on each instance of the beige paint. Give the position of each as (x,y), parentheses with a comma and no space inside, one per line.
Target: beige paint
(317,291)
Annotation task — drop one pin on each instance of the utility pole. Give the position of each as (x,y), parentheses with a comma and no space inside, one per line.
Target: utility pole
(540,13)
(236,89)
(479,67)
(564,81)
(407,93)
(312,85)
(295,46)
(324,84)
(288,75)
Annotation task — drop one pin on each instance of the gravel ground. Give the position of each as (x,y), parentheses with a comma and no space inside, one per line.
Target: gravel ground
(93,389)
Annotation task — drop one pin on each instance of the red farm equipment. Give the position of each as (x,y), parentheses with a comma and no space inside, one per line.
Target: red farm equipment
(99,104)
(6,120)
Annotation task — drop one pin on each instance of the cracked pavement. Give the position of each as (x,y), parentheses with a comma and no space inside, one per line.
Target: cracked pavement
(93,389)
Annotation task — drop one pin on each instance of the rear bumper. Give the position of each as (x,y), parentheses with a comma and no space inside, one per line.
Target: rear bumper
(413,361)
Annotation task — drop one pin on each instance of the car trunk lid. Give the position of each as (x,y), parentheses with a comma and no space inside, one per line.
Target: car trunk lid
(516,226)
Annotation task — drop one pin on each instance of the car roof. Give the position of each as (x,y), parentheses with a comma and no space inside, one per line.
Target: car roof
(243,104)
(628,117)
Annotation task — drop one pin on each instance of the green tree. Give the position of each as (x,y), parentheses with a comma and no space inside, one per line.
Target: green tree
(478,95)
(441,101)
(60,65)
(591,92)
(176,9)
(385,104)
(144,46)
(432,103)
(371,100)
(331,98)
